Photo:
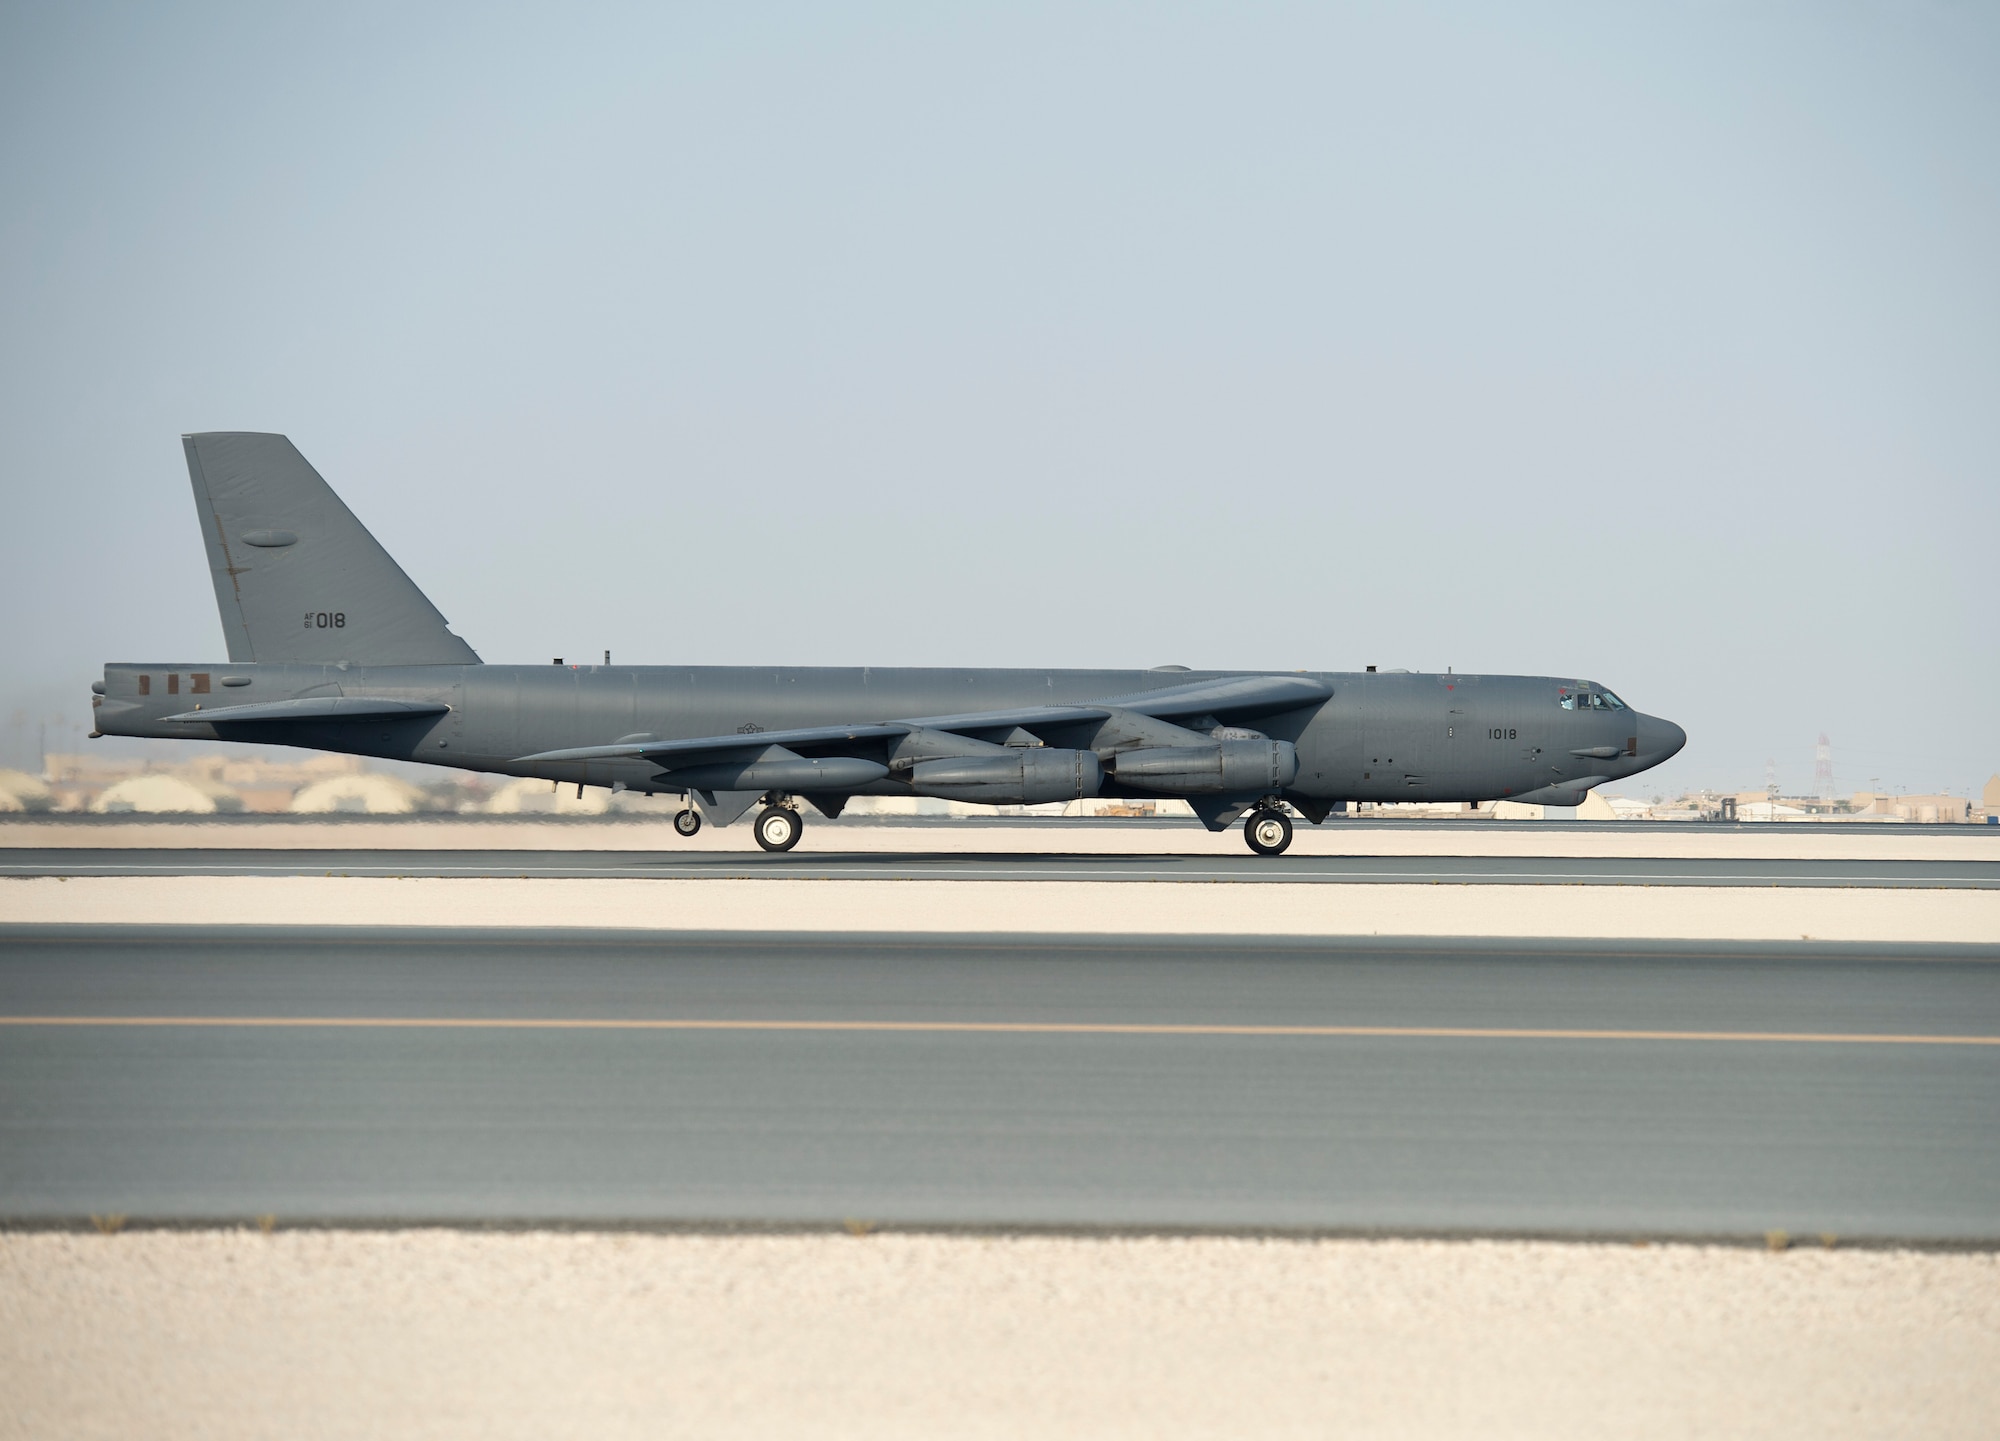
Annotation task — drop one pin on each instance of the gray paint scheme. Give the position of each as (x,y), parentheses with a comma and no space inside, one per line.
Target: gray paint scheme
(282,547)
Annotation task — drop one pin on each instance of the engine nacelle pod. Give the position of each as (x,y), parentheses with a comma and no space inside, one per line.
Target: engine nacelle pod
(1224,768)
(785,772)
(1028,776)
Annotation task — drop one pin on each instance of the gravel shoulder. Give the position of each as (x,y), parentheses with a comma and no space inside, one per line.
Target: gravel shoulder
(1691,912)
(447,1334)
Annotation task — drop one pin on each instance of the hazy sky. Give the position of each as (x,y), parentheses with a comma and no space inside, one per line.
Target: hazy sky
(1658,344)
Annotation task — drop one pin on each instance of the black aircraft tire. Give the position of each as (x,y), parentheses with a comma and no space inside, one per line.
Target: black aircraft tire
(688,822)
(1268,831)
(778,828)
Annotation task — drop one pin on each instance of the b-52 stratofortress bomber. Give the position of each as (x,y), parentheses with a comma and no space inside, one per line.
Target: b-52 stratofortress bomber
(332,647)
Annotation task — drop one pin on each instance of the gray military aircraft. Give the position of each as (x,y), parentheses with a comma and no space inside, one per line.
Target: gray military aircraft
(332,647)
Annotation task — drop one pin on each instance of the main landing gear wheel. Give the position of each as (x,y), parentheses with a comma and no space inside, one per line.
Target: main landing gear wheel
(1268,831)
(688,822)
(778,828)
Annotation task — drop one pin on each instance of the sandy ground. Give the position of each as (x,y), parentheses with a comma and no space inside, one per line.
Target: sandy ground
(1643,840)
(442,1334)
(1778,913)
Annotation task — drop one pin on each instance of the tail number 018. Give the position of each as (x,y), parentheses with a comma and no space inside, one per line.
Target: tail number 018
(326,620)
(1503,735)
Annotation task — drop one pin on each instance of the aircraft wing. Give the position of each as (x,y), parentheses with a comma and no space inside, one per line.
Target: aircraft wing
(688,751)
(1242,696)
(1027,718)
(1231,696)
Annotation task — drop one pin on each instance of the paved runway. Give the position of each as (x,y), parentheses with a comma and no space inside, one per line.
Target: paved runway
(1006,866)
(1640,1089)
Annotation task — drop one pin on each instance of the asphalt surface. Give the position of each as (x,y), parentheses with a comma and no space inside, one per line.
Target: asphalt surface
(1004,866)
(1584,1088)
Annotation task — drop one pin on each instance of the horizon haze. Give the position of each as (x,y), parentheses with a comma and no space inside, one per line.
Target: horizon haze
(1657,346)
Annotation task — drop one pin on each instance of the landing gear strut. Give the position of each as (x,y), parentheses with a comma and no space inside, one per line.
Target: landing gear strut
(688,822)
(778,828)
(1268,830)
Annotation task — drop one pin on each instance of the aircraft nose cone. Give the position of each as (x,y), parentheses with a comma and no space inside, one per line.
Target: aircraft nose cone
(1660,739)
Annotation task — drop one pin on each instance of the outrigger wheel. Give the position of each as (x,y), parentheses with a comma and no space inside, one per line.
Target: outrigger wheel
(688,821)
(778,828)
(1269,831)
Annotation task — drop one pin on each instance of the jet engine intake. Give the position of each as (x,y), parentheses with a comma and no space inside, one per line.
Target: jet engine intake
(1233,767)
(1026,776)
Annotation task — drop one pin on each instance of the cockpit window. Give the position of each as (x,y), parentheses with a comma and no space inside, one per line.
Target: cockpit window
(1605,700)
(1588,700)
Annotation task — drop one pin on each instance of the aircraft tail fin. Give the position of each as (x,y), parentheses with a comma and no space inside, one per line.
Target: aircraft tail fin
(297,577)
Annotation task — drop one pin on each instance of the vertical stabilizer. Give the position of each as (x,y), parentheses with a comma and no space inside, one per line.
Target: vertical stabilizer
(297,577)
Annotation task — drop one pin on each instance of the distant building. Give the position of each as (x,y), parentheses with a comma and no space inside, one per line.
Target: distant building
(1766,809)
(531,797)
(162,794)
(364,794)
(259,784)
(1922,810)
(20,791)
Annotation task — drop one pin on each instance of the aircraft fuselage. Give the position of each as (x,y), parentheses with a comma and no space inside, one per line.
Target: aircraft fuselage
(1381,736)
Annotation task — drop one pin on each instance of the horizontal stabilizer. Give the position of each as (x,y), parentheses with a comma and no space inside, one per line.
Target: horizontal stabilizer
(317,708)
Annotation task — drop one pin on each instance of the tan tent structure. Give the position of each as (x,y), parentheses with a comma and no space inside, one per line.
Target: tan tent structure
(158,794)
(531,797)
(20,791)
(362,794)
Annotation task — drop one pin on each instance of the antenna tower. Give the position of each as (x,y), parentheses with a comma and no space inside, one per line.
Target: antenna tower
(1823,769)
